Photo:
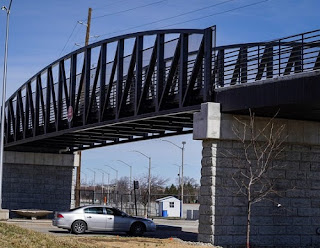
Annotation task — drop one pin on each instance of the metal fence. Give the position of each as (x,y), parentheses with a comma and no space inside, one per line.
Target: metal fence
(126,202)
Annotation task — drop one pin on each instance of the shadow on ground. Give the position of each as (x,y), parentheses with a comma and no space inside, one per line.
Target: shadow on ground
(162,232)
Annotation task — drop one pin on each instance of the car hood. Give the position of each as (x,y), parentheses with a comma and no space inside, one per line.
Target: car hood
(140,218)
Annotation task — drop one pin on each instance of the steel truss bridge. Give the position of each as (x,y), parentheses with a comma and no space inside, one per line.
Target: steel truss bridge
(148,85)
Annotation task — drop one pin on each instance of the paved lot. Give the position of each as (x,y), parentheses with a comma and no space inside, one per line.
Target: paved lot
(182,229)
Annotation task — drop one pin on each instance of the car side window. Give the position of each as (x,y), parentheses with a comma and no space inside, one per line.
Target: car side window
(94,210)
(116,212)
(110,211)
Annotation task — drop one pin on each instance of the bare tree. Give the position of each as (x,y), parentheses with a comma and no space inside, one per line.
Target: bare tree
(260,146)
(157,185)
(124,185)
(191,190)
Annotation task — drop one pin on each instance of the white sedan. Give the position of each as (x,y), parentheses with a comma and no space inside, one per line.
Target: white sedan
(101,218)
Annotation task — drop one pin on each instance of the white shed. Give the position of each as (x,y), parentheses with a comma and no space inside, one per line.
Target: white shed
(168,206)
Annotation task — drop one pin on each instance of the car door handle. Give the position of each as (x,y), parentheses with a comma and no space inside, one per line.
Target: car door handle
(109,218)
(89,217)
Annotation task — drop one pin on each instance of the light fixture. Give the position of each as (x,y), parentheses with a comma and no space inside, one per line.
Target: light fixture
(82,23)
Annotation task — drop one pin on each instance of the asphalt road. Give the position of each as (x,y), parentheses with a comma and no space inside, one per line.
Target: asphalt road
(182,229)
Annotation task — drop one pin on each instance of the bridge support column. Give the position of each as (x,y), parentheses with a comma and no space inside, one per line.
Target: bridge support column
(290,219)
(38,181)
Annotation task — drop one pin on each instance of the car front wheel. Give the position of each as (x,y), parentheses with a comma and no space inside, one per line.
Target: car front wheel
(79,227)
(137,229)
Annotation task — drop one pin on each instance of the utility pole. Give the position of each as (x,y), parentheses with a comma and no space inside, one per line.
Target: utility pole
(78,179)
(88,27)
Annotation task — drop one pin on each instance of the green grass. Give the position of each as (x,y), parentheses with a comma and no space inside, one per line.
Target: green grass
(16,237)
(13,236)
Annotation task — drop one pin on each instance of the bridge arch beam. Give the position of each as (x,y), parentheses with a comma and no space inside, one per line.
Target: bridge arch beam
(123,81)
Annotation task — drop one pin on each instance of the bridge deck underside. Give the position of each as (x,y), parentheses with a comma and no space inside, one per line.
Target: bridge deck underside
(295,97)
(127,130)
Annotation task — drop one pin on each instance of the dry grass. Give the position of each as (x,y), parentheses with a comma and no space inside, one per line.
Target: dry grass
(12,236)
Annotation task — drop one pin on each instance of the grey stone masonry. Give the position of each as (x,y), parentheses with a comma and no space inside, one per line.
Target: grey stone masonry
(37,181)
(207,193)
(290,218)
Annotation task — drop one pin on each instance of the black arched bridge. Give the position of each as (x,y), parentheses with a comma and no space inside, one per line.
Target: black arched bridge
(148,85)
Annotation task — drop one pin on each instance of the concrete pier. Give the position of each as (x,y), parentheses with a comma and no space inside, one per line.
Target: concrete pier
(38,181)
(288,219)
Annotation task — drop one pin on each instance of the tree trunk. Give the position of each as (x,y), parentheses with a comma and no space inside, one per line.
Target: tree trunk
(248,223)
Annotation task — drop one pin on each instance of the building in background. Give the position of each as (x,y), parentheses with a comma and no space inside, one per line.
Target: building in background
(168,207)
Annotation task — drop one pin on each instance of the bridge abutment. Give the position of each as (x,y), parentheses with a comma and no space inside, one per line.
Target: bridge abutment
(289,218)
(38,181)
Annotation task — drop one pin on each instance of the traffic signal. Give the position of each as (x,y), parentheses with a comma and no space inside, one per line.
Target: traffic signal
(136,184)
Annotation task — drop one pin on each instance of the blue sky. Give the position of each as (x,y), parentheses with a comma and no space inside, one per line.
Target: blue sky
(39,30)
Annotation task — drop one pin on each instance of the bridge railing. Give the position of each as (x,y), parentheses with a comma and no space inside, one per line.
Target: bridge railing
(246,63)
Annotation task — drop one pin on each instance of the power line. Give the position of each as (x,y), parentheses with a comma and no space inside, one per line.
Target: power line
(111,4)
(76,35)
(194,19)
(192,11)
(127,10)
(172,17)
(68,39)
(169,18)
(223,12)
(123,11)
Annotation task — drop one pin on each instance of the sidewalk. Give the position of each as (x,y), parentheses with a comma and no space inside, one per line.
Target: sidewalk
(185,225)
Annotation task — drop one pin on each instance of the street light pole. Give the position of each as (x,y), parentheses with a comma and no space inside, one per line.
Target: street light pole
(182,183)
(94,185)
(102,173)
(115,191)
(149,181)
(116,174)
(4,85)
(182,163)
(108,191)
(102,183)
(85,177)
(130,180)
(179,166)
